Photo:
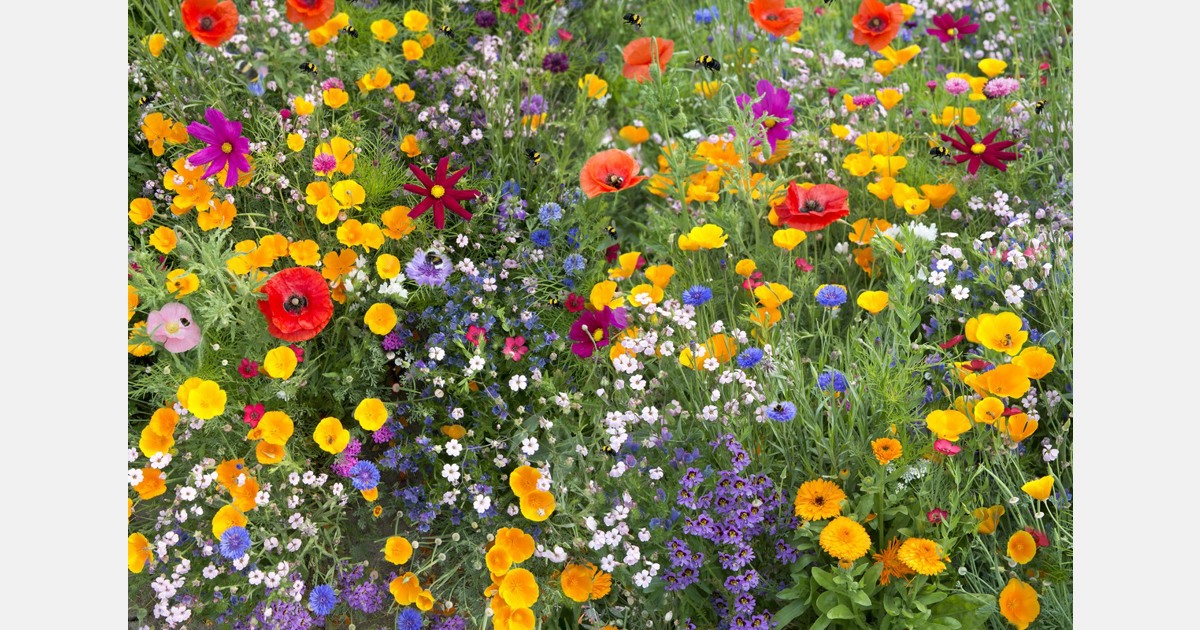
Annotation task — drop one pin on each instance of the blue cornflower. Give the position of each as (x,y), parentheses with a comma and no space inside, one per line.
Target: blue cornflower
(235,542)
(781,411)
(364,475)
(697,295)
(550,212)
(510,188)
(832,379)
(574,264)
(541,238)
(749,357)
(409,619)
(322,599)
(831,295)
(707,15)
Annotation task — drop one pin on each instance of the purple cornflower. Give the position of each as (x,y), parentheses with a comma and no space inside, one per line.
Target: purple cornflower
(1001,87)
(949,29)
(485,19)
(957,86)
(556,62)
(533,105)
(227,148)
(428,268)
(773,102)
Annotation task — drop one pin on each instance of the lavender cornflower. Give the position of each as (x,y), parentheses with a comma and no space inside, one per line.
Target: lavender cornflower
(556,62)
(428,268)
(957,86)
(574,264)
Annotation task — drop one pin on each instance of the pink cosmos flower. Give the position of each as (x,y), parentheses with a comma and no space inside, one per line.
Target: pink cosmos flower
(515,348)
(173,327)
(946,447)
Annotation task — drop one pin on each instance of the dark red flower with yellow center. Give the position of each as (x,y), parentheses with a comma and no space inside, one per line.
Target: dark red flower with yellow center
(439,193)
(298,305)
(812,208)
(986,151)
(311,13)
(211,22)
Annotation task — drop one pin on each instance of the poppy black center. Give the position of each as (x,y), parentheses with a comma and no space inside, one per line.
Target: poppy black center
(206,23)
(875,24)
(812,205)
(615,181)
(295,303)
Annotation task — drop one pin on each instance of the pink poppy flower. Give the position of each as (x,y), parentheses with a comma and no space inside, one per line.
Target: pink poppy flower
(515,348)
(173,327)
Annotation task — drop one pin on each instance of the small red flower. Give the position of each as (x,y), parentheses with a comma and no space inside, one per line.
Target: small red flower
(936,515)
(753,281)
(813,208)
(612,253)
(985,151)
(253,413)
(298,351)
(1039,537)
(804,265)
(475,335)
(211,22)
(298,305)
(575,303)
(248,368)
(439,193)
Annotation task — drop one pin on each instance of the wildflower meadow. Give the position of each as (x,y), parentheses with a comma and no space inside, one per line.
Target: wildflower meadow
(555,314)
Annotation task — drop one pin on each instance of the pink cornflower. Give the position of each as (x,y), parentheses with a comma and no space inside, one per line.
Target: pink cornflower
(1001,87)
(248,368)
(253,413)
(332,82)
(957,86)
(475,334)
(324,163)
(863,100)
(932,85)
(515,348)
(946,447)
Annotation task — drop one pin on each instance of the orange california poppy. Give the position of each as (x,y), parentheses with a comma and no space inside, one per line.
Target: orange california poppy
(639,55)
(876,25)
(773,18)
(311,13)
(609,171)
(211,22)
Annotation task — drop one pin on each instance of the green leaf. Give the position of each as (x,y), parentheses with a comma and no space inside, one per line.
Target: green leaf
(969,609)
(932,598)
(822,623)
(790,612)
(824,578)
(860,598)
(827,601)
(841,611)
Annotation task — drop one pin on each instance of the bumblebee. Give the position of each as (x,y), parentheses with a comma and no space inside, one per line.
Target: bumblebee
(351,31)
(608,450)
(145,100)
(939,151)
(447,30)
(433,258)
(308,67)
(612,231)
(1037,107)
(554,302)
(708,62)
(634,19)
(534,157)
(253,77)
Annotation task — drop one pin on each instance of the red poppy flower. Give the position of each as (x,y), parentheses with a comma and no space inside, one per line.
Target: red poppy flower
(773,18)
(439,193)
(986,151)
(211,22)
(876,24)
(813,208)
(612,253)
(311,13)
(609,171)
(298,305)
(639,55)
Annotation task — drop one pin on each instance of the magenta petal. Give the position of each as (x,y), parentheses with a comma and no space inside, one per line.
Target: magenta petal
(442,167)
(450,181)
(203,132)
(439,214)
(967,138)
(413,188)
(973,166)
(420,208)
(456,208)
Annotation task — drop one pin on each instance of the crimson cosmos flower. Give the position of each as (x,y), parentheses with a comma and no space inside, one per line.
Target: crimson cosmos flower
(297,306)
(439,193)
(949,29)
(986,151)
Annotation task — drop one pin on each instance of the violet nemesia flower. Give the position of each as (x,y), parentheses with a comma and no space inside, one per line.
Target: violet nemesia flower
(173,327)
(949,29)
(227,148)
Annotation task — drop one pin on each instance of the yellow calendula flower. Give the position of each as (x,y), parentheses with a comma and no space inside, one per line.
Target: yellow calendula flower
(593,86)
(335,97)
(280,363)
(412,50)
(873,301)
(380,318)
(404,93)
(383,30)
(707,236)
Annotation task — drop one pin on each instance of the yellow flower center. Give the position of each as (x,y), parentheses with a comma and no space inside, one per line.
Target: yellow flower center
(952,32)
(769,123)
(172,328)
(227,148)
(978,148)
(598,334)
(437,192)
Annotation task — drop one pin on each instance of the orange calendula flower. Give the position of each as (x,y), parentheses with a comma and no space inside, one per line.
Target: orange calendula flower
(892,566)
(886,450)
(818,500)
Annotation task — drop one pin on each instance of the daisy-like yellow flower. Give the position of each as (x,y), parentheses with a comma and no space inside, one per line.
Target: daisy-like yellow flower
(923,556)
(845,539)
(886,450)
(818,500)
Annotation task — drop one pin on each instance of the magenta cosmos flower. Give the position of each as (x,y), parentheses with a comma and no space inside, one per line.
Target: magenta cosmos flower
(591,330)
(949,29)
(772,102)
(173,327)
(439,193)
(226,146)
(985,151)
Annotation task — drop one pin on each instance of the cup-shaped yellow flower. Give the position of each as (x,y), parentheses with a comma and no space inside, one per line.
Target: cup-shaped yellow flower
(519,544)
(788,238)
(1039,489)
(404,93)
(226,517)
(140,210)
(330,436)
(349,194)
(139,552)
(380,318)
(388,266)
(269,454)
(411,146)
(152,442)
(280,363)
(498,560)
(745,267)
(1006,381)
(425,600)
(772,295)
(660,275)
(370,494)
(889,97)
(1002,333)
(164,240)
(371,414)
(156,43)
(605,294)
(888,165)
(405,589)
(707,89)
(335,97)
(634,135)
(397,550)
(988,518)
(276,427)
(302,106)
(880,142)
(576,581)
(916,207)
(1035,361)
(1019,603)
(859,164)
(938,194)
(384,30)
(593,86)
(873,301)
(519,589)
(305,253)
(992,67)
(412,50)
(1019,426)
(707,236)
(1022,547)
(989,410)
(537,506)
(524,480)
(947,424)
(416,21)
(206,401)
(626,265)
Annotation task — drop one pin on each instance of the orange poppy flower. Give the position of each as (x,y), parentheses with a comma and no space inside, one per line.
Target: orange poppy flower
(876,24)
(211,22)
(311,13)
(609,171)
(639,55)
(773,18)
